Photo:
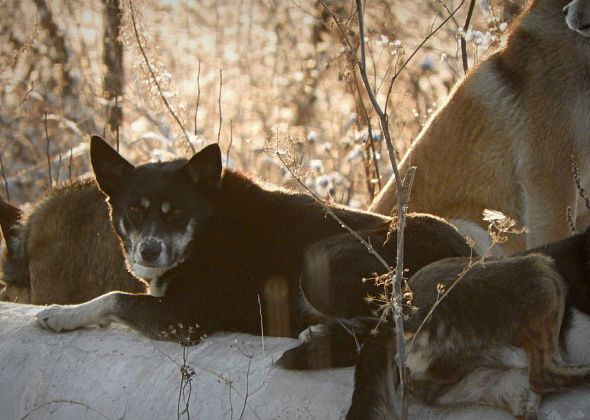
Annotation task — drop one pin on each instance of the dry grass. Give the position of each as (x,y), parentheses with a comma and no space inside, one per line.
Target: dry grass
(286,80)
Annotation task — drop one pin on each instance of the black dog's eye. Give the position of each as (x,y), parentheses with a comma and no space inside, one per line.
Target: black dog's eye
(173,214)
(135,213)
(136,210)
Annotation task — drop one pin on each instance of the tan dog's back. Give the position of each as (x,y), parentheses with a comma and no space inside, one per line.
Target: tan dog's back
(72,252)
(504,138)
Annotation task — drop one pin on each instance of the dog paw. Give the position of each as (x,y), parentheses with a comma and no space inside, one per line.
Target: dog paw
(58,318)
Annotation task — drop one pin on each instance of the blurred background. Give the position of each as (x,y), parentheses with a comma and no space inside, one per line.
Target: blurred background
(258,76)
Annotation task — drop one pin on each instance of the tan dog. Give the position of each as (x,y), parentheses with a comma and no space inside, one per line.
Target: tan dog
(63,249)
(505,137)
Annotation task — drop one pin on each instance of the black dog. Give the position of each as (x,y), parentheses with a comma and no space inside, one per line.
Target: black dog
(216,248)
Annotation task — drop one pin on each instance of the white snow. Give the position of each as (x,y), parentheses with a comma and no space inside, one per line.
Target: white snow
(116,373)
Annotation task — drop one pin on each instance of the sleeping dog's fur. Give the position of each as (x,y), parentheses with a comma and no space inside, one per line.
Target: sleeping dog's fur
(497,338)
(62,249)
(213,245)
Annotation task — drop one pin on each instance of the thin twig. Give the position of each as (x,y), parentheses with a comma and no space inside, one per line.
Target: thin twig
(118,122)
(247,386)
(261,326)
(354,63)
(58,169)
(186,377)
(402,201)
(198,96)
(71,402)
(418,48)
(370,133)
(155,80)
(331,213)
(208,371)
(463,42)
(47,151)
(383,119)
(341,29)
(219,104)
(4,178)
(231,140)
(70,164)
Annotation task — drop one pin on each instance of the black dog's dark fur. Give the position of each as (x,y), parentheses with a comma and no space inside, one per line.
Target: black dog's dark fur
(332,282)
(249,243)
(376,367)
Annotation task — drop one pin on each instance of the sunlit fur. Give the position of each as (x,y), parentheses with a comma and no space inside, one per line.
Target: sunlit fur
(505,136)
(229,249)
(62,249)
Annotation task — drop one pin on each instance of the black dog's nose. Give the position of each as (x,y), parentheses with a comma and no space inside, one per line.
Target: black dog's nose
(565,10)
(150,250)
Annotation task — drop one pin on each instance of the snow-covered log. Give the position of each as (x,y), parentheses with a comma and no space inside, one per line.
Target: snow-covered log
(115,373)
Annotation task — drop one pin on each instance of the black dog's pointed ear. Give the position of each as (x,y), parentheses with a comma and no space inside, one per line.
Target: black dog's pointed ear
(109,166)
(204,168)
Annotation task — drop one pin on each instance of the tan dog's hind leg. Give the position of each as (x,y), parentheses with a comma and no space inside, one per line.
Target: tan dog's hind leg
(546,194)
(540,339)
(546,222)
(507,387)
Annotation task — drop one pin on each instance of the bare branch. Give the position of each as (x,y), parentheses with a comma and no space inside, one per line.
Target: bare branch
(402,198)
(418,48)
(198,96)
(5,179)
(187,374)
(155,80)
(47,150)
(219,104)
(231,140)
(371,139)
(118,121)
(463,42)
(333,215)
(70,402)
(70,164)
(58,169)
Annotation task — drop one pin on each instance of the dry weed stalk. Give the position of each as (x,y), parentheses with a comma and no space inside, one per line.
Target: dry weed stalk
(463,42)
(219,104)
(402,200)
(155,79)
(48,143)
(187,374)
(4,178)
(403,186)
(68,402)
(198,97)
(333,215)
